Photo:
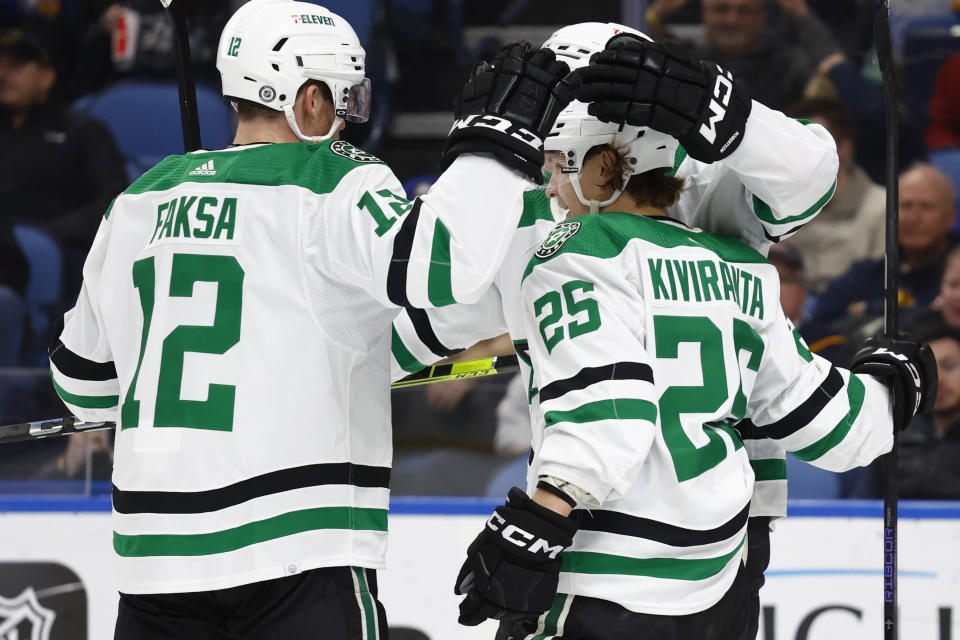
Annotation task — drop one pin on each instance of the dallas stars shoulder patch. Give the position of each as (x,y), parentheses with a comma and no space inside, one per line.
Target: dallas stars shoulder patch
(346,150)
(559,235)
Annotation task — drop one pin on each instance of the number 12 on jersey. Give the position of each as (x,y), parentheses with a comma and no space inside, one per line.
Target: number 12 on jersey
(216,412)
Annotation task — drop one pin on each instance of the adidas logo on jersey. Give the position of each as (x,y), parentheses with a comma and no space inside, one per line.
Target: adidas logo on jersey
(206,169)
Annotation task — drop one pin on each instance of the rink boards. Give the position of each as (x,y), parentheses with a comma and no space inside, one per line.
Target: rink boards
(824,580)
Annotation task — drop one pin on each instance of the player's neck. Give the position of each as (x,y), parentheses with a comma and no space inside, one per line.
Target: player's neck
(263,130)
(626,204)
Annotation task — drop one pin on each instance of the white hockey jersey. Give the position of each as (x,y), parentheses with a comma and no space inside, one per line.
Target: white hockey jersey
(779,178)
(650,342)
(235,322)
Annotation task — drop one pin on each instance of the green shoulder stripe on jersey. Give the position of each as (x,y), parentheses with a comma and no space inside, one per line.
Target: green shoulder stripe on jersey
(804,121)
(678,159)
(87,402)
(407,361)
(536,206)
(285,524)
(605,235)
(609,409)
(439,286)
(765,213)
(769,469)
(855,393)
(669,568)
(106,214)
(303,164)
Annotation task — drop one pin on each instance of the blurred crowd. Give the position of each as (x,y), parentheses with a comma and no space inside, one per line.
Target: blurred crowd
(87,102)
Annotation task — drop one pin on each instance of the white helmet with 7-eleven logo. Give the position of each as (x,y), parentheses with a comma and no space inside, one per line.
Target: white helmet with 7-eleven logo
(576,131)
(270,48)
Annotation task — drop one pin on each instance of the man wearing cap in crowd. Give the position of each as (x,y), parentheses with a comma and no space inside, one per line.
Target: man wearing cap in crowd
(60,169)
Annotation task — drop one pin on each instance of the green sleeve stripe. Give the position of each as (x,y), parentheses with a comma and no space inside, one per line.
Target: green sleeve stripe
(551,618)
(87,402)
(285,524)
(802,348)
(367,604)
(439,287)
(678,159)
(106,214)
(769,469)
(855,391)
(611,409)
(765,213)
(804,121)
(669,568)
(407,361)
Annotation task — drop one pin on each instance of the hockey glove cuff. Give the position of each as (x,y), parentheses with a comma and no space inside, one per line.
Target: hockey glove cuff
(908,368)
(507,108)
(513,566)
(661,86)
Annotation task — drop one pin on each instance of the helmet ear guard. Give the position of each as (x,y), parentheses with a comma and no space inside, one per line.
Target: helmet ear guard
(270,48)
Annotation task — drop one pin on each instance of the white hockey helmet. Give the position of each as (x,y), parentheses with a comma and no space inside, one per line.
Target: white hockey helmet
(576,131)
(269,48)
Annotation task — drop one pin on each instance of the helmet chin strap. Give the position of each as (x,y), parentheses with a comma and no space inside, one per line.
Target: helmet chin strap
(292,121)
(593,204)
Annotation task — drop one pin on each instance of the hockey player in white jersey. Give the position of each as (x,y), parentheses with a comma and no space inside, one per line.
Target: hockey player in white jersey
(234,321)
(650,343)
(751,192)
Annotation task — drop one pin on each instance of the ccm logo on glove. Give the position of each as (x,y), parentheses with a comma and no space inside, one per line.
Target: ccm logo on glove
(498,124)
(517,536)
(722,90)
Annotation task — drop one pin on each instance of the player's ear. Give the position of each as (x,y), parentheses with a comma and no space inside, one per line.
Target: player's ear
(608,166)
(313,100)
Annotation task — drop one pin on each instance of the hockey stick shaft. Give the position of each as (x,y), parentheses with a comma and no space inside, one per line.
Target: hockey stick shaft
(437,373)
(189,118)
(890,293)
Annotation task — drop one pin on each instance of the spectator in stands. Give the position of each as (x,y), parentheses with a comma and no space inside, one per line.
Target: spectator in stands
(58,170)
(135,38)
(929,455)
(793,280)
(949,301)
(840,78)
(943,132)
(850,227)
(738,37)
(87,455)
(927,213)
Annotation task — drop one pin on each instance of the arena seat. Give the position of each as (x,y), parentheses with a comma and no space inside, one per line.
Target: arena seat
(43,287)
(144,118)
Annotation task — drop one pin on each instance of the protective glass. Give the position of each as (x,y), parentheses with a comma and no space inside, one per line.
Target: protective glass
(358,102)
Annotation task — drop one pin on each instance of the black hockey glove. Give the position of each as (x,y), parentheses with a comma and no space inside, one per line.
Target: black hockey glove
(513,566)
(907,367)
(507,108)
(661,86)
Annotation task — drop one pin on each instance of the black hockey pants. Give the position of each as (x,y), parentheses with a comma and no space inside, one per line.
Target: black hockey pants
(337,603)
(594,619)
